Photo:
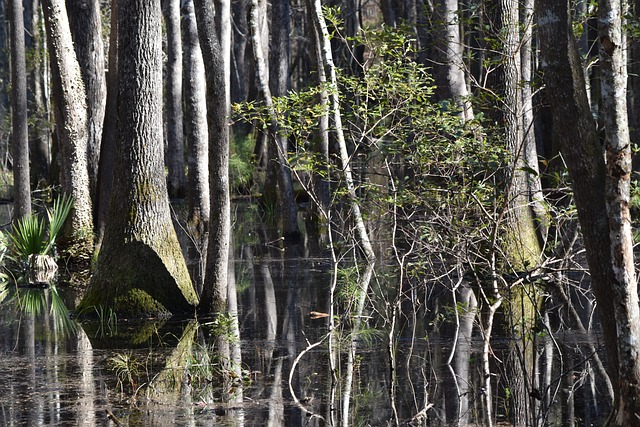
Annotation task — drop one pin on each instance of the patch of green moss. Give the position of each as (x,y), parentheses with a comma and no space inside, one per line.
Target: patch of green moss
(137,303)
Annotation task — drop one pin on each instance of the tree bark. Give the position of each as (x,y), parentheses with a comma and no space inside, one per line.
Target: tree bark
(450,68)
(37,94)
(71,119)
(86,30)
(214,295)
(277,141)
(173,100)
(108,143)
(140,270)
(575,130)
(19,135)
(199,203)
(613,110)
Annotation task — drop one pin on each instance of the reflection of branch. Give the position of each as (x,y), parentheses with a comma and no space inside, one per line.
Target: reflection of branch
(293,368)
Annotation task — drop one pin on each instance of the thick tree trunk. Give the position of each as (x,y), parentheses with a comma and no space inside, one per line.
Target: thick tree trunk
(140,271)
(575,130)
(199,203)
(71,119)
(214,295)
(19,134)
(174,152)
(613,83)
(86,30)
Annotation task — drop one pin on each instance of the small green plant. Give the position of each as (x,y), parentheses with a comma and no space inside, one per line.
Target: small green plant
(129,370)
(30,235)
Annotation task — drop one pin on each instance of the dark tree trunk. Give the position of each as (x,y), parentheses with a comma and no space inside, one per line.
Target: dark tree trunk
(39,127)
(173,101)
(86,30)
(19,135)
(108,144)
(140,270)
(575,130)
(214,295)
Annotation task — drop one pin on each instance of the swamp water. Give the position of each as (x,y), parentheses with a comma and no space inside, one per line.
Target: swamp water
(56,371)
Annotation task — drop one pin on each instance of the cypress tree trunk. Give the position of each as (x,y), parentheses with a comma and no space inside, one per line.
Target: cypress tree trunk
(140,270)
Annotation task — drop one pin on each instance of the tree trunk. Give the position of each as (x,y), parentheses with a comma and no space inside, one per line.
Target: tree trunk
(140,270)
(86,30)
(277,141)
(450,68)
(37,95)
(173,100)
(613,84)
(214,295)
(19,134)
(199,203)
(108,144)
(71,119)
(575,130)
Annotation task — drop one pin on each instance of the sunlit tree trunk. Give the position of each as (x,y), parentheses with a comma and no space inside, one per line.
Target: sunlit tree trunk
(71,119)
(174,151)
(450,68)
(19,134)
(197,136)
(140,270)
(613,84)
(86,30)
(214,295)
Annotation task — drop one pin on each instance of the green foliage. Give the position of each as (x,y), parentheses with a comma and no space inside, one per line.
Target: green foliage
(241,164)
(129,370)
(31,236)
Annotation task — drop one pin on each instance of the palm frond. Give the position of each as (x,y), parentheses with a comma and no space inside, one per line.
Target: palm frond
(57,215)
(27,236)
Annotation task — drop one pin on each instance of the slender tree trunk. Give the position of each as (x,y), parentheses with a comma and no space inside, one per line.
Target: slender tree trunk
(86,30)
(613,83)
(5,74)
(19,135)
(108,144)
(214,295)
(37,95)
(71,118)
(140,271)
(530,151)
(277,142)
(199,203)
(450,69)
(174,152)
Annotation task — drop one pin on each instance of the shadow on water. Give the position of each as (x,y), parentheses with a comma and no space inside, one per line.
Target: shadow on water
(58,371)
